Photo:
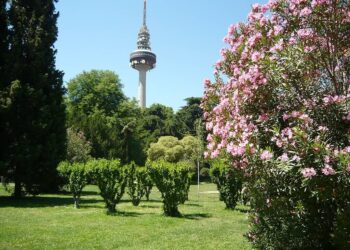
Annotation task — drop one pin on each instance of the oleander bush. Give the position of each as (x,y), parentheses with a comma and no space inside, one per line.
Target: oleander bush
(111,178)
(172,180)
(75,174)
(228,181)
(279,110)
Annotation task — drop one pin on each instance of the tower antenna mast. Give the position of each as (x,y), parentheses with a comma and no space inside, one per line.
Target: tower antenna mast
(144,12)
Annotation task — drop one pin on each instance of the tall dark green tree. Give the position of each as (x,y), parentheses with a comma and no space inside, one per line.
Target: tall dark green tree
(4,47)
(190,113)
(36,112)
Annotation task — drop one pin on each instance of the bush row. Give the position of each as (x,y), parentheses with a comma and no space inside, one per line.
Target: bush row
(113,179)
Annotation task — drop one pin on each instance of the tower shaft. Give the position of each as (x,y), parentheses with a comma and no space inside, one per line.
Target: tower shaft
(142,88)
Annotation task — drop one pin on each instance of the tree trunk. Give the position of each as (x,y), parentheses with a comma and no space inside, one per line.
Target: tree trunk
(18,189)
(76,202)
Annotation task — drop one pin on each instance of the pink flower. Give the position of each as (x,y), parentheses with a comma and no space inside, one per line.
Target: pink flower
(284,157)
(347,117)
(348,168)
(263,118)
(328,170)
(296,158)
(285,117)
(266,155)
(305,12)
(308,172)
(327,159)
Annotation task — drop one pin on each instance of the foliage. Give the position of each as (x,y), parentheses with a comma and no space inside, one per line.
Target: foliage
(137,181)
(148,185)
(228,181)
(171,149)
(204,173)
(110,177)
(31,96)
(172,181)
(76,176)
(189,114)
(93,101)
(282,118)
(78,148)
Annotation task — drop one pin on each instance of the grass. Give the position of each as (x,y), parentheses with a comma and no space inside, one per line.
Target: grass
(51,222)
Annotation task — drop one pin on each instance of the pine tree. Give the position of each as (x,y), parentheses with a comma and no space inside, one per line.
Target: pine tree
(36,112)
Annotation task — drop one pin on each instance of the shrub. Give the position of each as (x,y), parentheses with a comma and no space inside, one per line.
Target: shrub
(136,178)
(282,117)
(204,173)
(148,185)
(228,181)
(76,176)
(110,177)
(172,181)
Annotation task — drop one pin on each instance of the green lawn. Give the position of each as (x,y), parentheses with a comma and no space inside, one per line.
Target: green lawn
(51,222)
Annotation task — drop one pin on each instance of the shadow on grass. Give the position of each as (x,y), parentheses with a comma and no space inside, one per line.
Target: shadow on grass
(195,216)
(193,205)
(150,206)
(124,214)
(128,200)
(47,201)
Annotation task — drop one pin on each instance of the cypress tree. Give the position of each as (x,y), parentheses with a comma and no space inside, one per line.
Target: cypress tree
(36,114)
(4,48)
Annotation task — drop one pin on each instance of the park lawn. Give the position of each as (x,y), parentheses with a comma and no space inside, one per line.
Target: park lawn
(51,222)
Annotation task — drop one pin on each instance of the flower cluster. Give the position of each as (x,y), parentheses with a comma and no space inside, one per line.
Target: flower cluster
(279,110)
(275,79)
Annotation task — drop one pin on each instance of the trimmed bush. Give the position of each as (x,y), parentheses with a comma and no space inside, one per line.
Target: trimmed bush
(228,181)
(172,181)
(76,176)
(148,185)
(136,177)
(110,177)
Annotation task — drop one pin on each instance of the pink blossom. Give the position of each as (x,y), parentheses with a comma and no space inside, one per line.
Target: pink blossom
(327,159)
(296,158)
(266,155)
(322,129)
(328,170)
(285,117)
(348,168)
(308,172)
(284,157)
(347,117)
(305,12)
(263,118)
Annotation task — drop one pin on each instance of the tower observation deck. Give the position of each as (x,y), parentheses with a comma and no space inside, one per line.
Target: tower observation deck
(143,59)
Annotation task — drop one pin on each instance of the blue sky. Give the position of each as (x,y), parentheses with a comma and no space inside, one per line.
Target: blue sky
(186,35)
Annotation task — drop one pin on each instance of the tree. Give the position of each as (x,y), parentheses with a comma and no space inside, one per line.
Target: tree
(279,111)
(190,113)
(35,113)
(78,148)
(4,81)
(93,101)
(170,149)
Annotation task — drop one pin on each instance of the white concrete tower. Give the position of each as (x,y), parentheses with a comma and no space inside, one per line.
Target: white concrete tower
(143,59)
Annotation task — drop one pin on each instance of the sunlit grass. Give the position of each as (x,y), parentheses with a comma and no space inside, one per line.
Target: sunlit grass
(51,222)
